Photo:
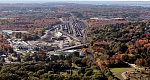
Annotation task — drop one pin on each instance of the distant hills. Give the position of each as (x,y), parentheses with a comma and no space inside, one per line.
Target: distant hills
(40,3)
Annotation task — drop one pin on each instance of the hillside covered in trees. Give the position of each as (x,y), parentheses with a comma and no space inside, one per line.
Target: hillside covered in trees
(117,43)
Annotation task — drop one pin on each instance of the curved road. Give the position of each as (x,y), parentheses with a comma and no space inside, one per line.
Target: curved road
(123,74)
(132,65)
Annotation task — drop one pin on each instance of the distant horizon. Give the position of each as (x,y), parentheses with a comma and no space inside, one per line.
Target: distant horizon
(67,1)
(63,0)
(81,2)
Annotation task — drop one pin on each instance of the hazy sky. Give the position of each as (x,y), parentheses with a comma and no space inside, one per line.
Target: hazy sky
(43,1)
(64,0)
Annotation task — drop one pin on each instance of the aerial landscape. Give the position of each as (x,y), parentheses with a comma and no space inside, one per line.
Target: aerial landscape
(74,40)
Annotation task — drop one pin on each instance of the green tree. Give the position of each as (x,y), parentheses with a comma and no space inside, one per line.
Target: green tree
(125,57)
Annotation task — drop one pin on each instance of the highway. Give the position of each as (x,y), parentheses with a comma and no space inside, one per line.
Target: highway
(67,48)
(85,30)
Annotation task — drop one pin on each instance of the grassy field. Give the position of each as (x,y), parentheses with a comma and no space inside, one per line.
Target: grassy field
(117,71)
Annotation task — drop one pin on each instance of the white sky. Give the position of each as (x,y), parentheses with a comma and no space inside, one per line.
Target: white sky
(64,0)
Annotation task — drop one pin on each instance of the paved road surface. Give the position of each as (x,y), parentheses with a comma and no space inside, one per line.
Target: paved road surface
(132,65)
(123,74)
